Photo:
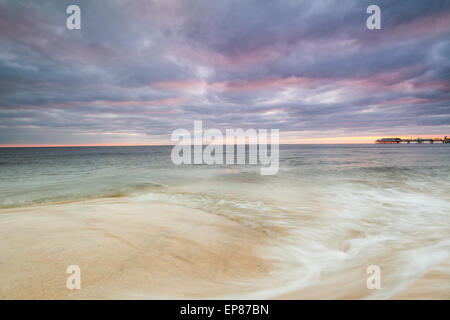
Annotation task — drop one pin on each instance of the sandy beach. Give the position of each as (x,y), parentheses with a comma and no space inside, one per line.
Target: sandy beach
(143,250)
(434,284)
(126,251)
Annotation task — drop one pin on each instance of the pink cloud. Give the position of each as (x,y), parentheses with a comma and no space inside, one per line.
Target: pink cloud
(120,103)
(191,84)
(274,83)
(431,25)
(406,100)
(236,60)
(133,103)
(241,85)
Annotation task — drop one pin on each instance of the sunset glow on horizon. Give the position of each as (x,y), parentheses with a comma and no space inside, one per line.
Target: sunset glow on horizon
(306,141)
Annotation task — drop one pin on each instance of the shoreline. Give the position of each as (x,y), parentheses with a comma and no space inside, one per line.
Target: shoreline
(434,284)
(128,249)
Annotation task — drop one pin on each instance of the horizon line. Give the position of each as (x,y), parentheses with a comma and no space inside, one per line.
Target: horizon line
(149,145)
(358,140)
(165,145)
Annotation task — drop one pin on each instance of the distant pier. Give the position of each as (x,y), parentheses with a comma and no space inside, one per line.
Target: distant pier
(412,140)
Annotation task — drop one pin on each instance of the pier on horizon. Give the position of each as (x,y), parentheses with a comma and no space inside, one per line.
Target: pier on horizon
(445,139)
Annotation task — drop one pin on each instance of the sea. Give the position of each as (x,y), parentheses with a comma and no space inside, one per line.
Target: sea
(329,213)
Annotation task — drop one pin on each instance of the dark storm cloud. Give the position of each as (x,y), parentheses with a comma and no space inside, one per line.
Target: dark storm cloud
(139,69)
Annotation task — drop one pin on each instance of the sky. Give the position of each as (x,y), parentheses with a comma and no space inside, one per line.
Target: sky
(137,70)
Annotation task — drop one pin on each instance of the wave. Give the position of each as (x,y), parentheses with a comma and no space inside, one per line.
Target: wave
(53,194)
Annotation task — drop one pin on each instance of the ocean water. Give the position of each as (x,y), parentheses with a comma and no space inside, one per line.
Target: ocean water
(331,209)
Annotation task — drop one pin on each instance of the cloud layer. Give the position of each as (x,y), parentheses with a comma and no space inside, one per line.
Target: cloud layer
(137,70)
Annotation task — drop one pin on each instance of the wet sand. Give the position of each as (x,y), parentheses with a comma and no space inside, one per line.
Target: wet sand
(351,284)
(125,250)
(130,249)
(434,284)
